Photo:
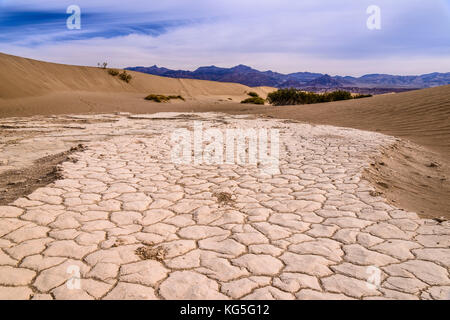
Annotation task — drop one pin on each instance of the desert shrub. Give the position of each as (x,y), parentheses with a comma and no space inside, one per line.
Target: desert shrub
(177,97)
(254,100)
(284,97)
(359,96)
(125,76)
(293,96)
(338,95)
(157,98)
(162,98)
(113,72)
(102,65)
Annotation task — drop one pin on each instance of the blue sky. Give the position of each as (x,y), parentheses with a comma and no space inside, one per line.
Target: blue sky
(281,35)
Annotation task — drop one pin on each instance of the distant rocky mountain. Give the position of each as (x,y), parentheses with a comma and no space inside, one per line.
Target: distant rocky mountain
(246,75)
(325,81)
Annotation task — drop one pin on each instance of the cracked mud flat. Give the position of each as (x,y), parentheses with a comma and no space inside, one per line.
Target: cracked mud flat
(138,226)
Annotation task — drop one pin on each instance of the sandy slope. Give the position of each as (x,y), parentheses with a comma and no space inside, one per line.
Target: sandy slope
(31,78)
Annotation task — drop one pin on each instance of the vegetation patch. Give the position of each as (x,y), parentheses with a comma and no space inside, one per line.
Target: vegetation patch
(359,96)
(113,72)
(224,198)
(254,99)
(162,98)
(293,96)
(102,65)
(148,252)
(257,100)
(124,76)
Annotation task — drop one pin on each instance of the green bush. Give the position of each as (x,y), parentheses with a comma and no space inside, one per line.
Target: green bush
(162,98)
(113,72)
(293,96)
(254,100)
(285,97)
(338,95)
(125,76)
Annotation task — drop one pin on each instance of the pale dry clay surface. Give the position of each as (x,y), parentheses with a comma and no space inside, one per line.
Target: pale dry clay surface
(314,231)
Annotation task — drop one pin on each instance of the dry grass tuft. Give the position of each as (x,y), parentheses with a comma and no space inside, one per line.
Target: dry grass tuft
(148,252)
(224,198)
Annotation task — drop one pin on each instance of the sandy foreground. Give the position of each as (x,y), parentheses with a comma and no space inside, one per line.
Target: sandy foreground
(124,222)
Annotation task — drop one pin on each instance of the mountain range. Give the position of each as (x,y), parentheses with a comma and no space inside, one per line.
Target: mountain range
(374,83)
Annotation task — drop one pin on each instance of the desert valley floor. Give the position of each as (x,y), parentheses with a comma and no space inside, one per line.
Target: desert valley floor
(137,226)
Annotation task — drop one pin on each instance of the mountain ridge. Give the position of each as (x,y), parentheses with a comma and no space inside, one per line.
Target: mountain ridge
(302,80)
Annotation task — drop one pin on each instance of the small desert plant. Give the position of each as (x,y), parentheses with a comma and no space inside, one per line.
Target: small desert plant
(254,100)
(253,94)
(162,98)
(125,76)
(113,72)
(102,65)
(177,97)
(359,96)
(157,98)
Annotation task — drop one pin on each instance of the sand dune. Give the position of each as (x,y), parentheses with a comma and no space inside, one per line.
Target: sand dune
(32,78)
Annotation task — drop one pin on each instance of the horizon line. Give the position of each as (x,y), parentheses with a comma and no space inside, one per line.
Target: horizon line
(203,66)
